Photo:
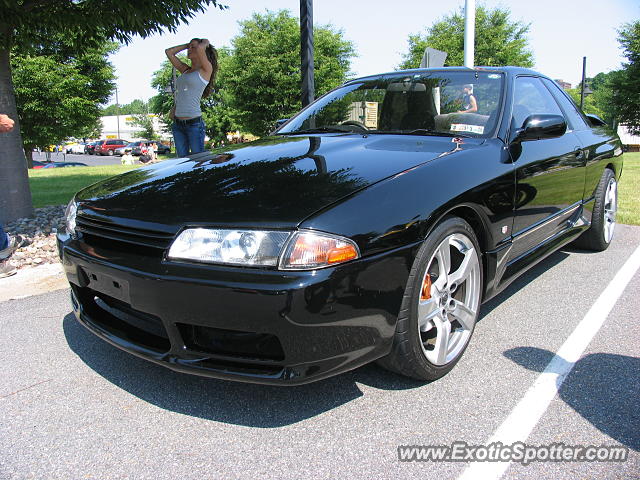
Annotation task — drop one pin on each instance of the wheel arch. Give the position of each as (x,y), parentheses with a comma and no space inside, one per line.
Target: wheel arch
(478,224)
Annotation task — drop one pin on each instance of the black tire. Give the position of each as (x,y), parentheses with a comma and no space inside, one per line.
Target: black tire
(599,235)
(110,153)
(408,355)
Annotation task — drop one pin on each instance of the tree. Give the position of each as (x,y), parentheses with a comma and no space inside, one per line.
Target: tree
(136,107)
(598,102)
(499,41)
(625,83)
(34,27)
(59,97)
(145,123)
(263,73)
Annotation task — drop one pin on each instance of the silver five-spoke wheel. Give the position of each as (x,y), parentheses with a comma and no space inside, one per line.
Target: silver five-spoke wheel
(449,299)
(610,209)
(441,302)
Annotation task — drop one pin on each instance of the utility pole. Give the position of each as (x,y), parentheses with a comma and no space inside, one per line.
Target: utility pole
(118,111)
(306,51)
(584,76)
(469,32)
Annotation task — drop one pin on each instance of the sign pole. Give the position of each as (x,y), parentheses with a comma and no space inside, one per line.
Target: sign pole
(306,51)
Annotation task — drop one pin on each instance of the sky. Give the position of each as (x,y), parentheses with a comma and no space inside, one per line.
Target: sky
(561,33)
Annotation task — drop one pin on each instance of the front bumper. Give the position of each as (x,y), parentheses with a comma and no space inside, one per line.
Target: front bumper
(252,325)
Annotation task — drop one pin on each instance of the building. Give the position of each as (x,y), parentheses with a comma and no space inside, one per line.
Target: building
(631,142)
(564,85)
(119,126)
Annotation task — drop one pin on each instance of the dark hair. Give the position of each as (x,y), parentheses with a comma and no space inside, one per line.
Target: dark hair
(212,56)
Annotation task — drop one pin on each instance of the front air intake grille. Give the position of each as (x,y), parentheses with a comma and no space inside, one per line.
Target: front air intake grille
(233,343)
(97,229)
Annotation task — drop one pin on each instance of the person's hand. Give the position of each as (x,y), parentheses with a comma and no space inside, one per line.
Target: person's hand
(6,124)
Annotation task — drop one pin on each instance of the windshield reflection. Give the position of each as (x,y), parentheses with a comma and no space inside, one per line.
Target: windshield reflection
(452,103)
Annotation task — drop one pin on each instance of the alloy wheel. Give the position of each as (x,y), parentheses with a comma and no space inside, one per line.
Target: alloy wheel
(610,209)
(449,300)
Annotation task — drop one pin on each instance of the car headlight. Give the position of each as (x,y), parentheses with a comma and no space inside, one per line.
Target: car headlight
(70,217)
(231,247)
(309,250)
(298,251)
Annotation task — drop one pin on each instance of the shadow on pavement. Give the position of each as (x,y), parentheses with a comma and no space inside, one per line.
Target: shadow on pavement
(602,387)
(261,406)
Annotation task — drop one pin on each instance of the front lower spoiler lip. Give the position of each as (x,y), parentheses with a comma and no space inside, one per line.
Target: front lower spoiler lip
(290,375)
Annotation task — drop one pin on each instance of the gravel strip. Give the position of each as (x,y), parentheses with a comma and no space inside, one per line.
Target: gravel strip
(41,233)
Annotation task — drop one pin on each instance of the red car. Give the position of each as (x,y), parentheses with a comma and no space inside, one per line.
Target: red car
(107,147)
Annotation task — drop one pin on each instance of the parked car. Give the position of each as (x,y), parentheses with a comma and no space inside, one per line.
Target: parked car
(135,147)
(108,147)
(38,165)
(90,148)
(370,226)
(163,148)
(78,148)
(67,147)
(120,150)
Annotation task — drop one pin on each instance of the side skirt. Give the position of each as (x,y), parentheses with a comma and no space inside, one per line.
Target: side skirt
(504,272)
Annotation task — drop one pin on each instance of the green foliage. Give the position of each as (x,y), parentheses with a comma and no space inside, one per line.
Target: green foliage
(58,97)
(596,103)
(145,123)
(263,75)
(625,83)
(32,24)
(136,107)
(499,41)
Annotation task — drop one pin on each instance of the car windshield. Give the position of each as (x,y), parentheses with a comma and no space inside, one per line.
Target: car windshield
(450,103)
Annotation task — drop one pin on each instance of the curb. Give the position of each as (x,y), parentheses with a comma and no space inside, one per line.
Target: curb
(33,281)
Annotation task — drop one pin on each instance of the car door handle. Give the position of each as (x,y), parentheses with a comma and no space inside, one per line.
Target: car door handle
(579,153)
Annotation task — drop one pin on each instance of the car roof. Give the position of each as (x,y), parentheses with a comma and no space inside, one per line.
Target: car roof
(509,70)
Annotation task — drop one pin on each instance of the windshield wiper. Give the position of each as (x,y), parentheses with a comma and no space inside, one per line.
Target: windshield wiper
(426,131)
(334,129)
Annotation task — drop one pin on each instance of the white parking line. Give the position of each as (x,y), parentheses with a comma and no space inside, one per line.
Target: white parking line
(525,416)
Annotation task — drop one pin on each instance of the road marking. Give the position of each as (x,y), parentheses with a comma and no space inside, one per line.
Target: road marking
(526,414)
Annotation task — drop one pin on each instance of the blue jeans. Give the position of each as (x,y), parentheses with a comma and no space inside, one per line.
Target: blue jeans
(188,138)
(4,239)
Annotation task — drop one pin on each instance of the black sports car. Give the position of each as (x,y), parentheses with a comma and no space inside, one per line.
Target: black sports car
(370,226)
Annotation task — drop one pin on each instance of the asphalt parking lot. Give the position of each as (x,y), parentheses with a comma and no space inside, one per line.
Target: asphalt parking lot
(90,160)
(72,406)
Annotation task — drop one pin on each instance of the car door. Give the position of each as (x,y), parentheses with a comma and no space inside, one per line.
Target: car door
(550,172)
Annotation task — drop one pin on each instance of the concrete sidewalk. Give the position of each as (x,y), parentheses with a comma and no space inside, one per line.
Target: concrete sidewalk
(33,281)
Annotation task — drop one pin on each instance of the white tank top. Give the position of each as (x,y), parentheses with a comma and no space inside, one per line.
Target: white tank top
(189,88)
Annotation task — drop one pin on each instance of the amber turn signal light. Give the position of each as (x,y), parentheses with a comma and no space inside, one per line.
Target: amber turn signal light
(342,254)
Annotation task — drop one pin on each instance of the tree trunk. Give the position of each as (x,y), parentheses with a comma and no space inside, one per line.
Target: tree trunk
(28,153)
(15,196)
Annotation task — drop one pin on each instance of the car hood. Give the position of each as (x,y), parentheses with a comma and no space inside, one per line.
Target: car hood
(275,182)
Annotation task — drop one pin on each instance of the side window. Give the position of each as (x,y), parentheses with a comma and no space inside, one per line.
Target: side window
(571,111)
(531,97)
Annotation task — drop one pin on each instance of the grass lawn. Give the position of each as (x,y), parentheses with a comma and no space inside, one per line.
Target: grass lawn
(629,190)
(56,186)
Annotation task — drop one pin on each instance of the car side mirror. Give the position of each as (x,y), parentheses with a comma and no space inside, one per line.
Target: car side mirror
(540,127)
(278,124)
(595,120)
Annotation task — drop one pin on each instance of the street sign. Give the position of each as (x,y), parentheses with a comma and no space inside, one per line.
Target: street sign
(433,58)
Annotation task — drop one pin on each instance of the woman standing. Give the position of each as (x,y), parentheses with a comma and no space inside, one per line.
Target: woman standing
(195,83)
